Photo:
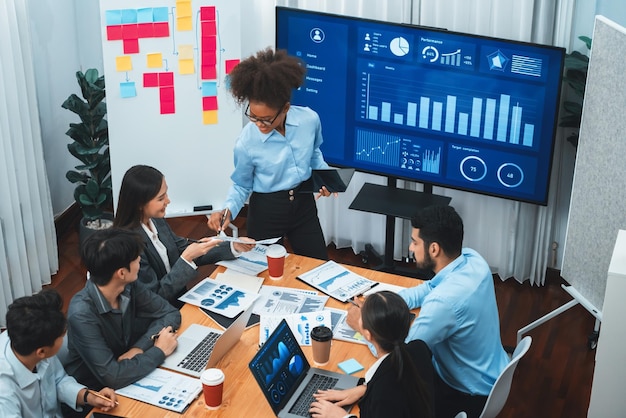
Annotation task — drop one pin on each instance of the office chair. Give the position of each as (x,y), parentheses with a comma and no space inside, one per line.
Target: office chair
(500,390)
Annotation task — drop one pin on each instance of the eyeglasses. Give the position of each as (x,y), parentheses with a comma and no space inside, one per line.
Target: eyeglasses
(263,122)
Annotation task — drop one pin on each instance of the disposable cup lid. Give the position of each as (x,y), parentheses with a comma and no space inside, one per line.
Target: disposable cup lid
(275,251)
(212,376)
(321,333)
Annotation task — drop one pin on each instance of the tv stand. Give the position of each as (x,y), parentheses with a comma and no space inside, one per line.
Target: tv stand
(393,202)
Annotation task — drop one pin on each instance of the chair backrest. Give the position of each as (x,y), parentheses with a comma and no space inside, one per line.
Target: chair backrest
(500,390)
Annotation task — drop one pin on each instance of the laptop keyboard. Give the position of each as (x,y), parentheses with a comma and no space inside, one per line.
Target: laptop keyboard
(317,382)
(197,359)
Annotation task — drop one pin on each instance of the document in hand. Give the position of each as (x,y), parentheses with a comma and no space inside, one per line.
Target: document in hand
(337,281)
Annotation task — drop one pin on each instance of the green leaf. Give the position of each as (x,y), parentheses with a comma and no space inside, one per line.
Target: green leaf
(76,177)
(85,200)
(586,40)
(93,189)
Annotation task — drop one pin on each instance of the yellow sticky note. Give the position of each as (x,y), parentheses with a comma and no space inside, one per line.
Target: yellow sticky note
(209,117)
(183,24)
(123,63)
(183,9)
(185,52)
(186,67)
(155,60)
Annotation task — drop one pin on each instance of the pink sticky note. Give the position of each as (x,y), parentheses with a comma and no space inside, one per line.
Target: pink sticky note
(145,30)
(114,33)
(208,29)
(166,79)
(167,107)
(209,72)
(209,103)
(161,30)
(166,94)
(151,80)
(230,64)
(131,46)
(207,13)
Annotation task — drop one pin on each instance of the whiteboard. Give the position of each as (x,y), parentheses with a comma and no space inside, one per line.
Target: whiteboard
(165,67)
(598,202)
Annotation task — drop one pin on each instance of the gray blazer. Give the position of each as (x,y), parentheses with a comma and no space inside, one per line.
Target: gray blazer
(152,270)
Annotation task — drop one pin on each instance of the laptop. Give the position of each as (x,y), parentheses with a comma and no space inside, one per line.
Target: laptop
(286,378)
(200,347)
(335,180)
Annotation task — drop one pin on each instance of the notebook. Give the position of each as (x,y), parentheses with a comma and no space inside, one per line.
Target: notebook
(287,379)
(200,347)
(335,180)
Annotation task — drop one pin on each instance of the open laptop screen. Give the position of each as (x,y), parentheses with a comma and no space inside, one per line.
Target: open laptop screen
(279,366)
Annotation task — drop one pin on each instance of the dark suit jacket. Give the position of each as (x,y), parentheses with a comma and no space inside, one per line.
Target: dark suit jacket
(385,397)
(152,270)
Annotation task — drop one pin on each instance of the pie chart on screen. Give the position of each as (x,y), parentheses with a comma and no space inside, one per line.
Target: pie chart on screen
(399,46)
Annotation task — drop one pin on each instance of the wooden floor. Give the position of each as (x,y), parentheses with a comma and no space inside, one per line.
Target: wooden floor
(552,380)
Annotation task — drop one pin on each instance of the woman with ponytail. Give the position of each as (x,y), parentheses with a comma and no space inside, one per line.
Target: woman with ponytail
(400,383)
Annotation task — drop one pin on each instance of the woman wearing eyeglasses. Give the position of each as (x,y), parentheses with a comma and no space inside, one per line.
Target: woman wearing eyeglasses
(274,155)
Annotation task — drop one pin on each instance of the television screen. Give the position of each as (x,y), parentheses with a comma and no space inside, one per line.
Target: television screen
(456,110)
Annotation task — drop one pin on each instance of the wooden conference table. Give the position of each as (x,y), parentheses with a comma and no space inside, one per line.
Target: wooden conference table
(242,396)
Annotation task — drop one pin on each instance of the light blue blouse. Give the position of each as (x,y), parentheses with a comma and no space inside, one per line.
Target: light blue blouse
(459,321)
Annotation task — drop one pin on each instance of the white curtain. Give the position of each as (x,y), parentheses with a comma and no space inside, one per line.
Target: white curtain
(28,247)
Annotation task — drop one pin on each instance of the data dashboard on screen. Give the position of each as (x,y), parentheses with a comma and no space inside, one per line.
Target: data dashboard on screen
(450,109)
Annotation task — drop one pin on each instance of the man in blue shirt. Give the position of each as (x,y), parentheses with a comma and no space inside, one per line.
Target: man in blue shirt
(458,318)
(32,380)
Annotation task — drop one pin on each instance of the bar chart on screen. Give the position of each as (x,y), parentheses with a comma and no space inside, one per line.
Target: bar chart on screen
(466,113)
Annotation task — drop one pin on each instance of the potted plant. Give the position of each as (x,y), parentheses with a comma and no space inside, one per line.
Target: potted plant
(576,66)
(90,145)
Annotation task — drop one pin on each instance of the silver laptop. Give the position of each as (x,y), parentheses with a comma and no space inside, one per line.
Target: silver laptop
(200,347)
(286,378)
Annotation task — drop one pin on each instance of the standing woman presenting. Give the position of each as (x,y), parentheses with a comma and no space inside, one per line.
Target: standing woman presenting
(274,155)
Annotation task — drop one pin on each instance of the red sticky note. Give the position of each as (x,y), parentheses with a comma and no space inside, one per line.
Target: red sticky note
(209,58)
(209,72)
(209,103)
(131,46)
(166,79)
(145,30)
(207,13)
(167,107)
(114,33)
(209,43)
(230,64)
(161,29)
(151,80)
(166,94)
(130,31)
(208,29)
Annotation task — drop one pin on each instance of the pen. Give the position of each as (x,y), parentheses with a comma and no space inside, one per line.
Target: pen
(192,240)
(224,214)
(351,300)
(154,337)
(97,395)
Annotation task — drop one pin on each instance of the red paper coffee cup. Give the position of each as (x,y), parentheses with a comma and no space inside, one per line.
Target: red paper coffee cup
(276,260)
(212,387)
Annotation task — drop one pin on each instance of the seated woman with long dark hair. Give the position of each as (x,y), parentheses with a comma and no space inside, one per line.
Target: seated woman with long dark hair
(400,383)
(168,262)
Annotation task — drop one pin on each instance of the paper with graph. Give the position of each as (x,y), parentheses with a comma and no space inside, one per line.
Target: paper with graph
(337,281)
